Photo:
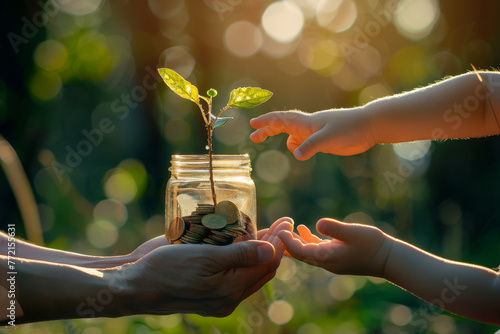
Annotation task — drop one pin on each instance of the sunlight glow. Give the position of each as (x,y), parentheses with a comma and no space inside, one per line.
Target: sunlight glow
(51,55)
(280,312)
(121,186)
(400,315)
(272,166)
(112,211)
(243,38)
(80,7)
(102,234)
(342,287)
(283,21)
(336,15)
(415,19)
(412,151)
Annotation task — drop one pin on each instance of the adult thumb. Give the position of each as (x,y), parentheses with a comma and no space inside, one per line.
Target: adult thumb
(246,254)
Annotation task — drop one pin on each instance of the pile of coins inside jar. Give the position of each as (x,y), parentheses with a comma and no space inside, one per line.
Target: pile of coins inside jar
(221,224)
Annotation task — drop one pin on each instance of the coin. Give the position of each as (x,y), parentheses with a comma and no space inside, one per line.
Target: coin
(214,221)
(200,229)
(176,229)
(229,210)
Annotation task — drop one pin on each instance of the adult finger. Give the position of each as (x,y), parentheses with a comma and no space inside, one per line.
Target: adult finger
(262,233)
(276,227)
(243,254)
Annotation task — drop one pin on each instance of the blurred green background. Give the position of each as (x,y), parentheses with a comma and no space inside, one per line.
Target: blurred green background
(94,127)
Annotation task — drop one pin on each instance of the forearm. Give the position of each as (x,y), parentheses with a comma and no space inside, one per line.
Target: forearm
(459,107)
(468,290)
(26,250)
(49,291)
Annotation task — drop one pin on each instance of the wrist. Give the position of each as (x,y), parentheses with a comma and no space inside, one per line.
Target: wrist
(117,296)
(371,115)
(382,257)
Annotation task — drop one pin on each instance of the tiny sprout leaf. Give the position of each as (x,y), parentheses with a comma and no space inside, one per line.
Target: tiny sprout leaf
(179,85)
(248,97)
(219,121)
(212,92)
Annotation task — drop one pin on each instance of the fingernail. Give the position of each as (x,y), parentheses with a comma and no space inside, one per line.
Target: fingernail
(298,154)
(265,253)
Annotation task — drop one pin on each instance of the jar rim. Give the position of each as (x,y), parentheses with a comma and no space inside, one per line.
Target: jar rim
(202,157)
(192,162)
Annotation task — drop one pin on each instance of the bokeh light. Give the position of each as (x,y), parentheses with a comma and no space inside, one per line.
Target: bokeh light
(287,269)
(179,59)
(45,85)
(243,38)
(283,21)
(112,211)
(310,328)
(400,315)
(336,15)
(280,312)
(166,9)
(412,151)
(102,233)
(444,324)
(415,19)
(322,56)
(272,166)
(342,287)
(51,55)
(83,55)
(120,185)
(80,7)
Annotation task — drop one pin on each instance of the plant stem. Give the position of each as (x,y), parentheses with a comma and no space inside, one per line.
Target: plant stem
(210,162)
(209,126)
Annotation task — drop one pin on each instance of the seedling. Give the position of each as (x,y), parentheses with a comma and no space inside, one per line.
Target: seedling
(242,97)
(220,223)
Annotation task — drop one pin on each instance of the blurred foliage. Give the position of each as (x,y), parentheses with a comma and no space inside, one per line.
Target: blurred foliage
(94,127)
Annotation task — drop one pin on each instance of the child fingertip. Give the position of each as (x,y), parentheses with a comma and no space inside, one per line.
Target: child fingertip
(298,154)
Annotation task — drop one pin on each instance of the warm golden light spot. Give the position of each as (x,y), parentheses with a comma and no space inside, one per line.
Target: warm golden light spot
(51,55)
(120,185)
(243,38)
(283,21)
(280,312)
(102,234)
(415,19)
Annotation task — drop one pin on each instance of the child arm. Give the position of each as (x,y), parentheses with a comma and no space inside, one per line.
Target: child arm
(460,107)
(468,290)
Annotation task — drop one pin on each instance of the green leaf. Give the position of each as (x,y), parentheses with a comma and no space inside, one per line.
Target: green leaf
(248,97)
(220,121)
(179,85)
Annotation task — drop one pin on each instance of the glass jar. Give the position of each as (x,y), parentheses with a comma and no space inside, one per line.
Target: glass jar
(189,200)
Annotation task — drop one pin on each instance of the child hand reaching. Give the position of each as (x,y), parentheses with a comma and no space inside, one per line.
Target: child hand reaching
(458,107)
(355,249)
(341,132)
